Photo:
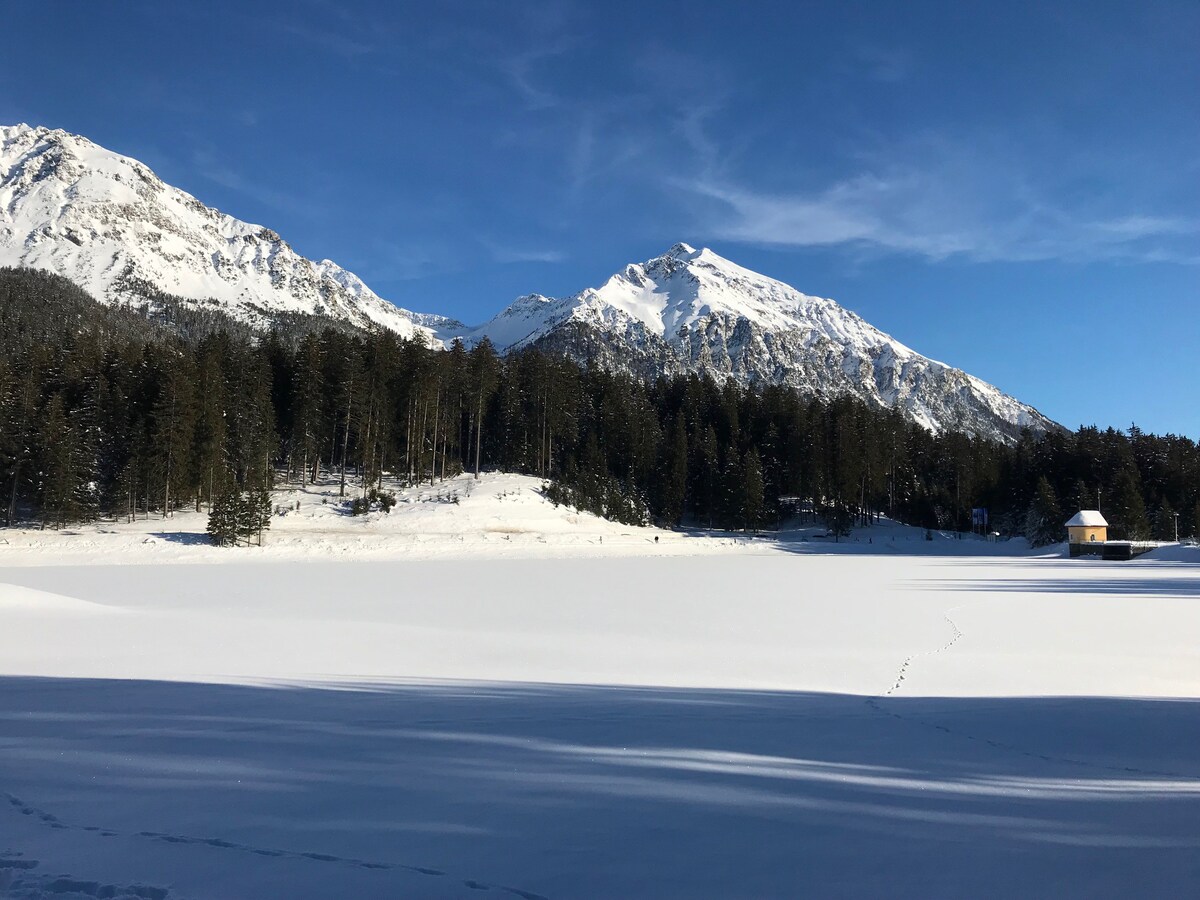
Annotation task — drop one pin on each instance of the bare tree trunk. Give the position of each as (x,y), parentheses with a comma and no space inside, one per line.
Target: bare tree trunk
(437,404)
(478,432)
(346,441)
(368,448)
(420,474)
(408,441)
(12,497)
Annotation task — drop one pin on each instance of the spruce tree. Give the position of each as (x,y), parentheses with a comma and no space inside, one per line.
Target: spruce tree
(708,471)
(484,379)
(838,519)
(1130,508)
(752,491)
(67,492)
(307,399)
(1044,520)
(676,475)
(173,424)
(209,436)
(223,515)
(1165,522)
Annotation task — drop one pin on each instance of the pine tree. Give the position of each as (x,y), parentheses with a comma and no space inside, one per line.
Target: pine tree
(18,425)
(839,520)
(676,474)
(752,491)
(307,397)
(239,515)
(1044,520)
(704,471)
(67,486)
(209,458)
(256,513)
(484,379)
(173,423)
(223,515)
(1080,497)
(1130,517)
(1165,522)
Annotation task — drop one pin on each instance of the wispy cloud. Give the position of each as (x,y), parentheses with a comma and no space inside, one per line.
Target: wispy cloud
(521,71)
(941,199)
(333,40)
(890,65)
(615,130)
(505,253)
(206,164)
(540,34)
(674,131)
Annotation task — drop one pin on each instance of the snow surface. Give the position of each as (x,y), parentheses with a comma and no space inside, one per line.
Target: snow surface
(482,699)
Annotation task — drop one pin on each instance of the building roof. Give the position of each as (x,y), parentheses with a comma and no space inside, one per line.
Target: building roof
(1087,518)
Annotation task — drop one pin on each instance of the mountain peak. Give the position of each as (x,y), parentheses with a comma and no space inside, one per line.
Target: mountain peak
(682,251)
(692,310)
(107,222)
(40,133)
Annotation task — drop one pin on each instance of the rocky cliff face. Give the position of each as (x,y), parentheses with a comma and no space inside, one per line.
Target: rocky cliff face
(694,311)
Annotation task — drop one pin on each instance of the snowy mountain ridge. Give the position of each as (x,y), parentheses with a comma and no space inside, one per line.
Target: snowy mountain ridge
(112,226)
(109,224)
(692,310)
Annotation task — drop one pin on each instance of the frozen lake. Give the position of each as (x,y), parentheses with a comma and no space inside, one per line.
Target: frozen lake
(763,721)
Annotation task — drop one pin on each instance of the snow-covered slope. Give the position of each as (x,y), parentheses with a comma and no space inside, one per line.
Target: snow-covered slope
(694,311)
(112,226)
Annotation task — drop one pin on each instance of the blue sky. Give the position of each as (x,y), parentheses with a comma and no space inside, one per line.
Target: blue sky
(1013,188)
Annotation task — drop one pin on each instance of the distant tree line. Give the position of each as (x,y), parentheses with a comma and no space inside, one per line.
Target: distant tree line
(113,412)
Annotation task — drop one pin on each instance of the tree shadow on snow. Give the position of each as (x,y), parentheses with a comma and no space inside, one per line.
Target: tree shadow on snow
(604,791)
(1127,587)
(187,538)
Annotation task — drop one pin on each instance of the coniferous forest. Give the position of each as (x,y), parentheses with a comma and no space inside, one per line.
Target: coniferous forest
(108,412)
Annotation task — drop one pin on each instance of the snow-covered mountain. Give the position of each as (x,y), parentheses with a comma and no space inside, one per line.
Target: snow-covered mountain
(109,224)
(112,226)
(694,311)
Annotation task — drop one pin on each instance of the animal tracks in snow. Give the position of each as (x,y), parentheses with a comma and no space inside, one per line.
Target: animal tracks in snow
(18,879)
(65,888)
(956,635)
(908,660)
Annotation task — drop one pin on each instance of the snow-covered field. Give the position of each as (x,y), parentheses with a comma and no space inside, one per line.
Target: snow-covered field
(499,698)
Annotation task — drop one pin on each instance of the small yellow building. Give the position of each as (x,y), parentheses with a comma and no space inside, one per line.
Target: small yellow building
(1087,527)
